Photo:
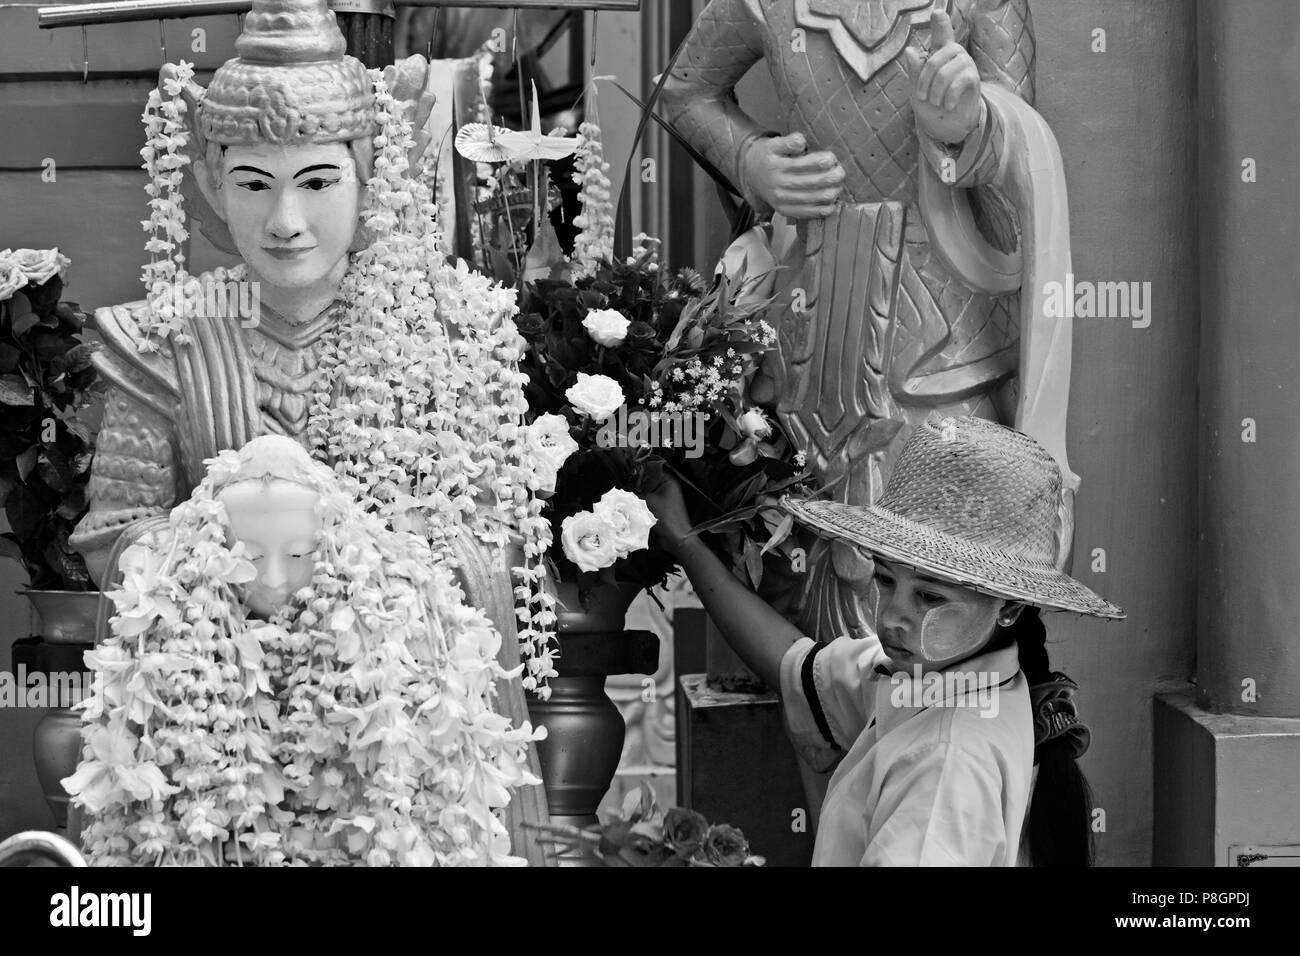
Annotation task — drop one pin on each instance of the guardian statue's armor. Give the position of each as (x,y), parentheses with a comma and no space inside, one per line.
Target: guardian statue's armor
(902,296)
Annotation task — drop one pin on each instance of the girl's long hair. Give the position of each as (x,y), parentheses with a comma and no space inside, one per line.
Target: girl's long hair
(1059,827)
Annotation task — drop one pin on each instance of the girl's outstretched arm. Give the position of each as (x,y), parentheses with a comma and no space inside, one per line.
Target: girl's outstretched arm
(758,634)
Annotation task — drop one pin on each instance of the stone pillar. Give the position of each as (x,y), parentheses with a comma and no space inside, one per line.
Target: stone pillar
(1227,759)
(1250,343)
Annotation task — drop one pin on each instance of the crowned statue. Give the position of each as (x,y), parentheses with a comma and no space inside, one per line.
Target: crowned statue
(282,146)
(312,170)
(918,211)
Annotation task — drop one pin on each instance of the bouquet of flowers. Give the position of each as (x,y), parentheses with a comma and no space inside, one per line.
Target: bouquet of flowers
(46,380)
(634,371)
(646,835)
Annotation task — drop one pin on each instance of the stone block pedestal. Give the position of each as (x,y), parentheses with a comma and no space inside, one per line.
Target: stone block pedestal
(1227,787)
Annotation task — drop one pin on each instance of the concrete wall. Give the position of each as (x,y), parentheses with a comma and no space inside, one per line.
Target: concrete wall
(1125,120)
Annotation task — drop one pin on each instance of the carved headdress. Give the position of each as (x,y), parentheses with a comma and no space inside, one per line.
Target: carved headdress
(290,83)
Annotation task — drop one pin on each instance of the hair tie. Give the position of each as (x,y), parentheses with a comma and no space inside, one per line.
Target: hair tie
(1056,717)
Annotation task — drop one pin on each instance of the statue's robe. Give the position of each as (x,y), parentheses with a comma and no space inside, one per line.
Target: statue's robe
(171,406)
(877,329)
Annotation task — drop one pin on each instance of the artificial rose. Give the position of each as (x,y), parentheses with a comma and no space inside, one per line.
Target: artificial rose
(606,327)
(641,333)
(11,279)
(530,326)
(549,442)
(684,831)
(725,846)
(596,395)
(629,519)
(39,265)
(588,541)
(754,424)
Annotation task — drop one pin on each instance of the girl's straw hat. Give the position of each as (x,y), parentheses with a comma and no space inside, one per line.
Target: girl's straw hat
(970,502)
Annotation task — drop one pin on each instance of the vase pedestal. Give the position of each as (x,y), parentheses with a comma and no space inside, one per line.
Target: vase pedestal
(584,729)
(68,620)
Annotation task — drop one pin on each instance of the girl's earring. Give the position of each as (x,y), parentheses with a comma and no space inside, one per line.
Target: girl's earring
(1006,621)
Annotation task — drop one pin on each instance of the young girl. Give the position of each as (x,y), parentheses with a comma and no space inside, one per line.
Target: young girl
(937,722)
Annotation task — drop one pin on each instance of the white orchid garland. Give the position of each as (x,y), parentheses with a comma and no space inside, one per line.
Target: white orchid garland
(165,160)
(595,240)
(354,728)
(432,427)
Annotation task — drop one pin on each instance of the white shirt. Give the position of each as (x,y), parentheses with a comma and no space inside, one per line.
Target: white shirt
(932,772)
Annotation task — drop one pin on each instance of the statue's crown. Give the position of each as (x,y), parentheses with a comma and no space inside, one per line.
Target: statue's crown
(291,83)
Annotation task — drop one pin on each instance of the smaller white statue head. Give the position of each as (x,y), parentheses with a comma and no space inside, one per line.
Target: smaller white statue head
(277,521)
(272,501)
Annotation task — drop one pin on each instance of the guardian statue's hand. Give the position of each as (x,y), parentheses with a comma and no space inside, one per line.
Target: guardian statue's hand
(945,86)
(794,182)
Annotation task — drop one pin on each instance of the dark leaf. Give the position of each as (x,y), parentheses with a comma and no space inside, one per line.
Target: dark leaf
(48,344)
(780,534)
(27,461)
(78,357)
(754,563)
(70,316)
(26,513)
(53,468)
(24,322)
(723,183)
(9,358)
(15,391)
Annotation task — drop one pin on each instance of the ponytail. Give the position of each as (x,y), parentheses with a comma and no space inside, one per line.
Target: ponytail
(1060,814)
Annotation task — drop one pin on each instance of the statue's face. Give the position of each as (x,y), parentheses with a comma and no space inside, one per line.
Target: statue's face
(278,524)
(927,622)
(292,210)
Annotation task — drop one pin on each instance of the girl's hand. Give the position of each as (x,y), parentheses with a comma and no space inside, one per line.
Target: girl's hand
(669,506)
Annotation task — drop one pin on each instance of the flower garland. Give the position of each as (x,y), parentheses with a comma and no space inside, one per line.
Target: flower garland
(356,727)
(164,160)
(432,425)
(595,241)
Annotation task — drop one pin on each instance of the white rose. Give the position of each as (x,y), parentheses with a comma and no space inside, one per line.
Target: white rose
(629,517)
(11,279)
(549,442)
(606,327)
(754,424)
(588,541)
(39,265)
(596,395)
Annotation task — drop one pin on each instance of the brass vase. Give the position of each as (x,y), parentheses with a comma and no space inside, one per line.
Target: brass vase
(67,630)
(584,727)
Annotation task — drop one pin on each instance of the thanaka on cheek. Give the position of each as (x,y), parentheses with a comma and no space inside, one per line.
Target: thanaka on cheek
(955,631)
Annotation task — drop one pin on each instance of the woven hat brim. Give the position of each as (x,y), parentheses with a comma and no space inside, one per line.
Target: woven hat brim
(951,558)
